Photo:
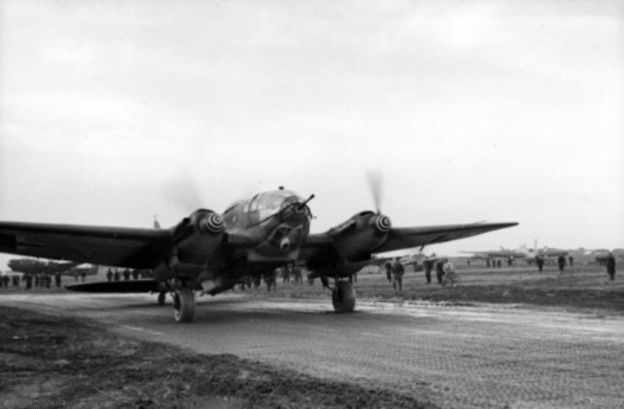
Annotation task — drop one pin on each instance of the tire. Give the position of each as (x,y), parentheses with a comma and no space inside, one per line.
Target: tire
(343,297)
(184,305)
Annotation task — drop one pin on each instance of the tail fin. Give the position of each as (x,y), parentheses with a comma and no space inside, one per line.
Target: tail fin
(156,224)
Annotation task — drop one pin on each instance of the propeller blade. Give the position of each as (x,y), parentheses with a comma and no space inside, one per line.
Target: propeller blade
(375,184)
(181,190)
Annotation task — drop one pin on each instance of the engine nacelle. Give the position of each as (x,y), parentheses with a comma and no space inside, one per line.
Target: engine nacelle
(361,235)
(197,237)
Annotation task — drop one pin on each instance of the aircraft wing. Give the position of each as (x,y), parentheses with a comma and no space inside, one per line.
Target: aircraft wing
(114,246)
(319,249)
(405,237)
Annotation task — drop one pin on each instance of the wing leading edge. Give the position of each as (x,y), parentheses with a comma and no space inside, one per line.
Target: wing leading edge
(320,247)
(406,237)
(114,246)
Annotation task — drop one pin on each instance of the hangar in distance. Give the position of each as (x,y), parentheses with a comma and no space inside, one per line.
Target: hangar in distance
(251,237)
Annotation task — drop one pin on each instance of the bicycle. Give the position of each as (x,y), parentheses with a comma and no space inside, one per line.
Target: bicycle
(449,279)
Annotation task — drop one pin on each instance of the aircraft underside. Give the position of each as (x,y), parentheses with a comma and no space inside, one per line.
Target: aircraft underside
(184,294)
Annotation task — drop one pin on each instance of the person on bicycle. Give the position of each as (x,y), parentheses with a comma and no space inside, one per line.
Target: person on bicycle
(449,273)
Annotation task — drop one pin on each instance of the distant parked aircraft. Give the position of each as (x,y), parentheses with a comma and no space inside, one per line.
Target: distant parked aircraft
(522,252)
(34,266)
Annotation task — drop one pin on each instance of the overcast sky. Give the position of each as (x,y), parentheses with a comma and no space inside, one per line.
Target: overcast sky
(487,110)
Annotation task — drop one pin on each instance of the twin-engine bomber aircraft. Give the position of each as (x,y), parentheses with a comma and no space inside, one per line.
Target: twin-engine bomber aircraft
(252,237)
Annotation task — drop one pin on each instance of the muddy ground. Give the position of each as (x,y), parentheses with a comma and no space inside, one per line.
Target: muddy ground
(50,362)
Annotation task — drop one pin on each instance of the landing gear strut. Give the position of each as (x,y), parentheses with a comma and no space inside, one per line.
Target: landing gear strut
(184,305)
(343,297)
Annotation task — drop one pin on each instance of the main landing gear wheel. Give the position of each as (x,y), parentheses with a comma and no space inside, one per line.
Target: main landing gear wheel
(343,297)
(184,305)
(161,298)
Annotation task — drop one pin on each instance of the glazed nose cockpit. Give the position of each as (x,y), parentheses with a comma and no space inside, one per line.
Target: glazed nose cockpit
(296,213)
(291,215)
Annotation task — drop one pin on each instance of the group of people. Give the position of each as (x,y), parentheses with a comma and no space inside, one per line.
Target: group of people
(445,272)
(395,272)
(6,281)
(43,280)
(288,274)
(116,275)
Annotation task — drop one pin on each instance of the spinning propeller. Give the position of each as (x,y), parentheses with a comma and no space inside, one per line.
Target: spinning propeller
(382,223)
(364,232)
(375,185)
(182,191)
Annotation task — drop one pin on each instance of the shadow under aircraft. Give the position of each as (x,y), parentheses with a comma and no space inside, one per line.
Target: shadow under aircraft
(250,238)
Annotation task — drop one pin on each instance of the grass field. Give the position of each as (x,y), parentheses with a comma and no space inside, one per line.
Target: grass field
(584,286)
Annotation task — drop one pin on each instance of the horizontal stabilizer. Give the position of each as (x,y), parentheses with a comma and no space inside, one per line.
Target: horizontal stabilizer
(134,286)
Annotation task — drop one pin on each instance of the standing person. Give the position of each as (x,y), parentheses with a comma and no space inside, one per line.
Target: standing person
(270,279)
(273,276)
(428,268)
(388,267)
(57,279)
(109,274)
(16,279)
(561,262)
(398,270)
(126,274)
(439,271)
(298,274)
(610,263)
(283,271)
(571,261)
(5,280)
(539,260)
(116,275)
(29,281)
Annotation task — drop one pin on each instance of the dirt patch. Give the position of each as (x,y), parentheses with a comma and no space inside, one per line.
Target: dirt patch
(51,362)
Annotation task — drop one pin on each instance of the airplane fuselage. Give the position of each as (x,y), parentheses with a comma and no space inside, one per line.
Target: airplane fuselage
(278,221)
